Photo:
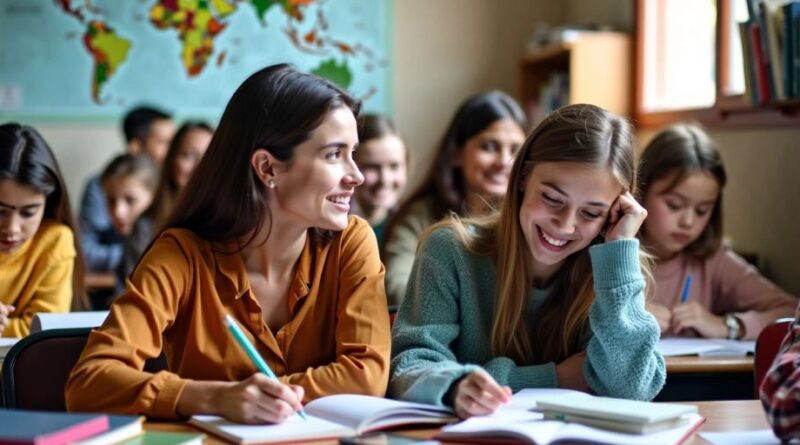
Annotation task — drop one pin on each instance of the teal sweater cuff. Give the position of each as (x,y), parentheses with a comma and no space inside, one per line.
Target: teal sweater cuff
(536,376)
(616,263)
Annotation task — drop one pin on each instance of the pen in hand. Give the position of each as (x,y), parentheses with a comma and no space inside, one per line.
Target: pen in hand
(686,286)
(251,352)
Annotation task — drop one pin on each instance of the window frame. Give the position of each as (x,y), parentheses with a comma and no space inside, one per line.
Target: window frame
(728,110)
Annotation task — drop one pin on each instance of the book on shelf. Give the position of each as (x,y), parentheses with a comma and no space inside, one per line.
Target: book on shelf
(329,417)
(22,427)
(676,346)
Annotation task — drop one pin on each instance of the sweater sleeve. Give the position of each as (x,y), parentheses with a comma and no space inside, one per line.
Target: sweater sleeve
(424,365)
(740,289)
(622,360)
(780,390)
(109,375)
(52,282)
(400,248)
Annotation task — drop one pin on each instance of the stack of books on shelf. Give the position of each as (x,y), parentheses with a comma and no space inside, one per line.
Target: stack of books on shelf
(771,51)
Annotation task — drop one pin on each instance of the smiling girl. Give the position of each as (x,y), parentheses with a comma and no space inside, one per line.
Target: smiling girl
(469,174)
(681,182)
(40,265)
(262,233)
(546,293)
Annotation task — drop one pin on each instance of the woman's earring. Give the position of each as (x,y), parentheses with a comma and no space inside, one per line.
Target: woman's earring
(271,184)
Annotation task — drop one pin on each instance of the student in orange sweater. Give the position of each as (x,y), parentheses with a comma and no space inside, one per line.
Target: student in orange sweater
(681,181)
(262,233)
(40,265)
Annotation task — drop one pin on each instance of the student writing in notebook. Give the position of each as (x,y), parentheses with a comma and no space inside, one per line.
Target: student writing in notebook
(469,173)
(546,293)
(262,233)
(41,269)
(682,177)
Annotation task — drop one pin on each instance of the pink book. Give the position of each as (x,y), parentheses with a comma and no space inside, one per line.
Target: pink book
(21,427)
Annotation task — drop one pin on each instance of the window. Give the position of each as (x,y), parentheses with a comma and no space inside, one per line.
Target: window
(690,65)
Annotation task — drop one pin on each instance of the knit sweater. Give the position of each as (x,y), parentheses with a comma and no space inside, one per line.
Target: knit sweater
(443,327)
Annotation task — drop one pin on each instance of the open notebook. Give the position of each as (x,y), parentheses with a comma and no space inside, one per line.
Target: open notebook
(674,346)
(329,417)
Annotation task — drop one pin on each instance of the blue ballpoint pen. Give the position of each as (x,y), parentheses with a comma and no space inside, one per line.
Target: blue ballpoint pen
(685,294)
(251,352)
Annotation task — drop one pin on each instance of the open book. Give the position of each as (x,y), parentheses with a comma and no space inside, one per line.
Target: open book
(674,346)
(518,422)
(329,417)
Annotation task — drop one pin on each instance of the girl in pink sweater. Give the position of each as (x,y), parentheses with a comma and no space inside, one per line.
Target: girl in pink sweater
(701,287)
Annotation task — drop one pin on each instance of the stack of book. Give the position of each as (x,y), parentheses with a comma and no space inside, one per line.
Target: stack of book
(22,427)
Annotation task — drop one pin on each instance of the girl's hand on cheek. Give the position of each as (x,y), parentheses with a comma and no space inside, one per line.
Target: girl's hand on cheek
(625,217)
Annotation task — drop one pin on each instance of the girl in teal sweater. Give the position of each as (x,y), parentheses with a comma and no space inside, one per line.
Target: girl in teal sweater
(547,292)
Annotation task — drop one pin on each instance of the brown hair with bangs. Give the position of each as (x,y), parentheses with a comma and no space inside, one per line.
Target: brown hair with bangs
(679,151)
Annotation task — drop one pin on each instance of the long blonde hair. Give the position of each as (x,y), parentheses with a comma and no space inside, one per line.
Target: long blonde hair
(579,133)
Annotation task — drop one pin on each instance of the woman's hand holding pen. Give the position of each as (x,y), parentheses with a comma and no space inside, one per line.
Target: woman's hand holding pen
(692,315)
(625,217)
(259,399)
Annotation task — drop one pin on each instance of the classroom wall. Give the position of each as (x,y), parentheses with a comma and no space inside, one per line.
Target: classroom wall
(446,50)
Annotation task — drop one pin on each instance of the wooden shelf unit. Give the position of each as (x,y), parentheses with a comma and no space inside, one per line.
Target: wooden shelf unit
(597,66)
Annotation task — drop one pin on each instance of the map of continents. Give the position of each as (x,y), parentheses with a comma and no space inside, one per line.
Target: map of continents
(134,58)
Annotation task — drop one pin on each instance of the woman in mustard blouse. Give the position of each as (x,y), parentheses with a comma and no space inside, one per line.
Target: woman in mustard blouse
(40,264)
(261,232)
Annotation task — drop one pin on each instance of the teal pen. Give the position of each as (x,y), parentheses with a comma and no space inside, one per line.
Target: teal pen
(250,350)
(686,286)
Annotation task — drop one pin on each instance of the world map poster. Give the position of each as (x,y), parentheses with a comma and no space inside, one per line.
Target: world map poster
(94,59)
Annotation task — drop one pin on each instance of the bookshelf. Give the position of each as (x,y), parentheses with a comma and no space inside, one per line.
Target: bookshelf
(594,67)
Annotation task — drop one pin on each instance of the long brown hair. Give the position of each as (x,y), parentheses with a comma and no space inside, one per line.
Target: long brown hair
(26,158)
(167,190)
(579,133)
(444,183)
(276,108)
(682,150)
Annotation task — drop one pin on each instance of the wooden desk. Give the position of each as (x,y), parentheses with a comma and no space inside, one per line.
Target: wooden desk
(708,378)
(729,415)
(100,281)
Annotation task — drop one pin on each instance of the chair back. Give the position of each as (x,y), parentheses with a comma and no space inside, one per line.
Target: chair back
(767,346)
(36,369)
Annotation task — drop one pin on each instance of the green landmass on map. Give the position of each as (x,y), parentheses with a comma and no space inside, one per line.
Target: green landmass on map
(108,50)
(337,73)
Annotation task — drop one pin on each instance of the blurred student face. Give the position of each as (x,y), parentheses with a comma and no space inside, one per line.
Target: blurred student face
(127,198)
(157,142)
(383,163)
(564,207)
(486,158)
(315,187)
(192,148)
(676,217)
(21,213)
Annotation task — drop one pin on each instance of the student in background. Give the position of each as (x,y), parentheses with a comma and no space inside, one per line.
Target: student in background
(41,269)
(261,233)
(185,152)
(129,183)
(469,173)
(780,390)
(681,180)
(382,157)
(147,131)
(546,293)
